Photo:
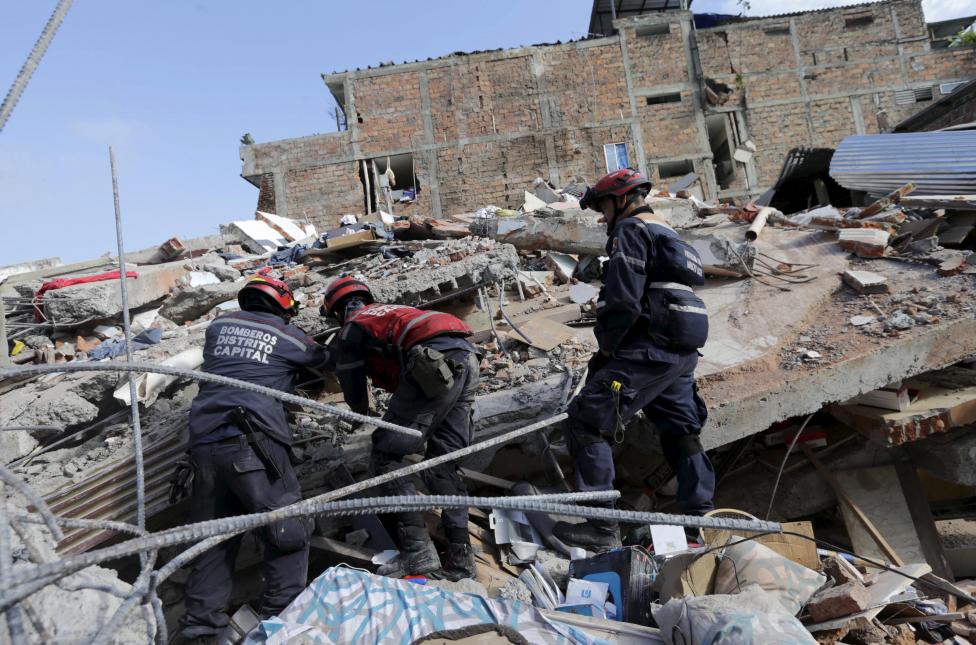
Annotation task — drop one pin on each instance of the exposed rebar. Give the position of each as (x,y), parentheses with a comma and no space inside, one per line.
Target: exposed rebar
(25,580)
(348,415)
(33,60)
(127,338)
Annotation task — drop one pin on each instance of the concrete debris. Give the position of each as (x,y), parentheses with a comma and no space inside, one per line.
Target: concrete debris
(865,281)
(851,389)
(191,303)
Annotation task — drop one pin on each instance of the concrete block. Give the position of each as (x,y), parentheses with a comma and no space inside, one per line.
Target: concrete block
(842,600)
(865,281)
(194,302)
(102,300)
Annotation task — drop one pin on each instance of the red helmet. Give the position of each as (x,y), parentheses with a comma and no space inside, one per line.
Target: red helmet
(619,183)
(277,290)
(341,288)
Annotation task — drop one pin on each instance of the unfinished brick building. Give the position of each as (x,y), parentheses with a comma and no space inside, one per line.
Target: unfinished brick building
(664,89)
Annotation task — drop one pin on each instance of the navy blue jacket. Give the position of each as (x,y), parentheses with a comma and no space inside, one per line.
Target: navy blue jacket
(633,311)
(257,347)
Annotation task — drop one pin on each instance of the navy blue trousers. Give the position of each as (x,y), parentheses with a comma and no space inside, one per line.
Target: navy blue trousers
(667,394)
(230,479)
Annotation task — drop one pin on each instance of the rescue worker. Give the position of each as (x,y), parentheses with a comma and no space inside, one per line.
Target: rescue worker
(650,325)
(426,361)
(239,452)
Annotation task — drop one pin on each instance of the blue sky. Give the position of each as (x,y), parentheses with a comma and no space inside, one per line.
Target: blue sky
(173,85)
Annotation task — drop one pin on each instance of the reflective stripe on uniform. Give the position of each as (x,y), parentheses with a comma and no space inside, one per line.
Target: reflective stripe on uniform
(349,366)
(670,285)
(267,328)
(635,261)
(600,304)
(688,309)
(409,326)
(693,257)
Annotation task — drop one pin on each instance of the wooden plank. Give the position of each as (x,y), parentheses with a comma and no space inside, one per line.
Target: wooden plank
(949,202)
(846,501)
(877,493)
(921,516)
(348,552)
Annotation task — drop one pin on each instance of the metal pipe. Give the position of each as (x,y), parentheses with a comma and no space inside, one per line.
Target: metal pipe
(758,223)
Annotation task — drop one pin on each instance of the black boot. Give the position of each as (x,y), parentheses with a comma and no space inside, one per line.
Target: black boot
(458,563)
(417,554)
(592,535)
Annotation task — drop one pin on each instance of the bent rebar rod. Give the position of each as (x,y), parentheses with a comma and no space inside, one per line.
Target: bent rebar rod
(34,370)
(24,579)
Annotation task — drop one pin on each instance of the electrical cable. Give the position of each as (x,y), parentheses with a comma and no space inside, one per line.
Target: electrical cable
(772,497)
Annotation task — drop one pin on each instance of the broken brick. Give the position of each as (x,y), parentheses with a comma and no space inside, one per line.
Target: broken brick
(835,602)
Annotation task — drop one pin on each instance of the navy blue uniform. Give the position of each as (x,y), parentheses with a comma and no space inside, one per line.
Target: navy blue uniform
(649,324)
(257,347)
(445,420)
(237,474)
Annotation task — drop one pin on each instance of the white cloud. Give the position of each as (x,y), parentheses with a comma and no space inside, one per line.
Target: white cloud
(112,131)
(935,10)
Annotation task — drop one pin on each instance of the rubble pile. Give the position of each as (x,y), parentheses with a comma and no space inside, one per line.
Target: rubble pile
(792,296)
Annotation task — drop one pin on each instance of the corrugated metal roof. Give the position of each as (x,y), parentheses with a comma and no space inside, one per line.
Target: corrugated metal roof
(938,163)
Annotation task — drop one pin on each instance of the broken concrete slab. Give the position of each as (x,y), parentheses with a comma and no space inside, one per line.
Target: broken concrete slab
(542,333)
(582,293)
(292,230)
(455,264)
(749,332)
(945,400)
(190,304)
(577,233)
(865,281)
(865,242)
(678,212)
(102,300)
(562,265)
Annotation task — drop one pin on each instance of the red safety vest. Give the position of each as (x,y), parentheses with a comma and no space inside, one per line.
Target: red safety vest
(401,328)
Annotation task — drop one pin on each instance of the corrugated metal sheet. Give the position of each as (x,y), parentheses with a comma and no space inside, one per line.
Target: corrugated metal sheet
(939,163)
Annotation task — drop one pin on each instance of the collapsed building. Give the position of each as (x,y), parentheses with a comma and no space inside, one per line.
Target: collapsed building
(659,88)
(840,371)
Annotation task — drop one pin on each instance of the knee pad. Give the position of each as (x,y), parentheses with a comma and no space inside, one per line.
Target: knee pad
(289,535)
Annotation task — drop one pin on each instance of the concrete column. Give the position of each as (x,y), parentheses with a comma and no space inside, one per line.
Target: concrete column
(803,82)
(280,175)
(635,129)
(698,105)
(430,154)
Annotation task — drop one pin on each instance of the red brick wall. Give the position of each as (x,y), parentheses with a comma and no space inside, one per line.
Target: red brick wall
(324,193)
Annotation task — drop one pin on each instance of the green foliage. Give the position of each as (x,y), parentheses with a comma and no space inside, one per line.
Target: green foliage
(965,37)
(247,139)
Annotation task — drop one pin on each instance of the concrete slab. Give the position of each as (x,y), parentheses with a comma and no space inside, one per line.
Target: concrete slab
(101,300)
(749,320)
(749,395)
